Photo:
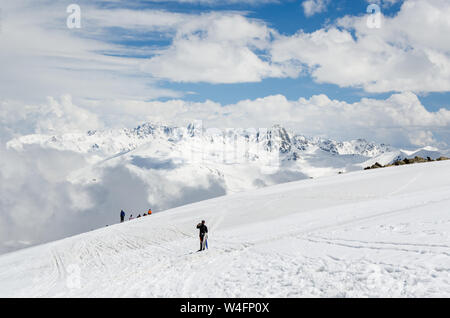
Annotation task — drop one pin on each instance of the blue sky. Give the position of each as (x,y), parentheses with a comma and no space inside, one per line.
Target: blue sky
(288,18)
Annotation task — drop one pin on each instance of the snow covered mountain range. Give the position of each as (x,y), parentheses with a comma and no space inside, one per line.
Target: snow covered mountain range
(112,142)
(162,147)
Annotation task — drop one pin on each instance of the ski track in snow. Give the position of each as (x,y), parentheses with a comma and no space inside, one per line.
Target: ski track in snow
(366,234)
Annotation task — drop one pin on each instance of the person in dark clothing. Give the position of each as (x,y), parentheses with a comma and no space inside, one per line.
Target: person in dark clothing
(122,216)
(203,231)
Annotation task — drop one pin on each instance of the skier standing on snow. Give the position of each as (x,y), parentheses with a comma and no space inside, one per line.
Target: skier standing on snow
(122,216)
(203,232)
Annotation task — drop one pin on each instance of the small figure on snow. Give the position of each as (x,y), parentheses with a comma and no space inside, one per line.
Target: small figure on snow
(122,216)
(203,235)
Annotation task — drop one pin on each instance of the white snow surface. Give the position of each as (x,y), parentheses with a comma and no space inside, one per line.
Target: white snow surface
(377,233)
(92,175)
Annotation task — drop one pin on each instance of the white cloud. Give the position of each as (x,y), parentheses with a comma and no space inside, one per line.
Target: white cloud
(53,116)
(397,120)
(51,60)
(44,209)
(218,48)
(231,48)
(312,7)
(391,121)
(410,52)
(41,57)
(422,138)
(384,3)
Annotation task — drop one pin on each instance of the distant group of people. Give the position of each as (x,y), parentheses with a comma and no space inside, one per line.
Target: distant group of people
(123,214)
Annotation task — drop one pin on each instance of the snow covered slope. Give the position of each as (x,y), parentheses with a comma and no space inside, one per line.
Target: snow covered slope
(383,232)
